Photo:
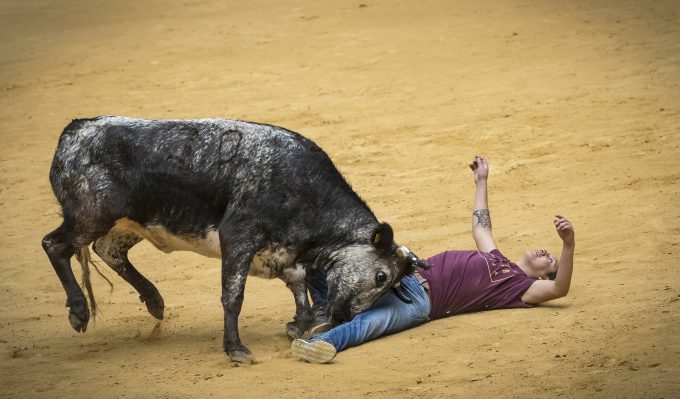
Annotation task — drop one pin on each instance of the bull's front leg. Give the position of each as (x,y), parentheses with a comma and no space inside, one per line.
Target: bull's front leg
(304,318)
(237,254)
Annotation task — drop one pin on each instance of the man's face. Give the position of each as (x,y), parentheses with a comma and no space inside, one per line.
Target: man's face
(541,263)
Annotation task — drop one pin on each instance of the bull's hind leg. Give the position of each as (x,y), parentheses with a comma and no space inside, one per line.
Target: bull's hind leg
(59,246)
(113,249)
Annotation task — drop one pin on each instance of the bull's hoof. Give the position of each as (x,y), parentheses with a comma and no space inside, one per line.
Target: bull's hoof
(241,355)
(301,323)
(78,314)
(294,331)
(154,305)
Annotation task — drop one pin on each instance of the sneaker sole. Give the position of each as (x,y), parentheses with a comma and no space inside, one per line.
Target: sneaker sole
(314,352)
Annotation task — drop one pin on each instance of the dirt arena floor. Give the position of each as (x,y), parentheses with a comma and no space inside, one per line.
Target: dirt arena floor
(576,105)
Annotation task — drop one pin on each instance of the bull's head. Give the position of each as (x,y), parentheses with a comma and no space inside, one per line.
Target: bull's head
(360,273)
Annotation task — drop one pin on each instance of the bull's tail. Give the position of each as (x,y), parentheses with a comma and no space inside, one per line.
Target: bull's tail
(83,256)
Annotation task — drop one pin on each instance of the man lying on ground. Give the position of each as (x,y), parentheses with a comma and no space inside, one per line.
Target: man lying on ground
(458,282)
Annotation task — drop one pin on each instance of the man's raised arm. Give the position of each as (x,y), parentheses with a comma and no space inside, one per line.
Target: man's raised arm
(481,219)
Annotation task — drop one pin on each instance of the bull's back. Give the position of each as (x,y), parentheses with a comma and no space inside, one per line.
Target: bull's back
(188,153)
(175,164)
(203,146)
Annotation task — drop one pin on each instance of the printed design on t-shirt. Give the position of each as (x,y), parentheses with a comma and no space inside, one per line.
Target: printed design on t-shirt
(499,267)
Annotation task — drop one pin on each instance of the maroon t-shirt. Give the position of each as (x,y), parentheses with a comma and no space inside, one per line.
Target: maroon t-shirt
(467,281)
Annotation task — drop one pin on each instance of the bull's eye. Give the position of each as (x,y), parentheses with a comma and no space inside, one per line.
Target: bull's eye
(380,277)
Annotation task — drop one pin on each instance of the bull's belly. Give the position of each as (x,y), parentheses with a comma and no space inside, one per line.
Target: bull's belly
(269,262)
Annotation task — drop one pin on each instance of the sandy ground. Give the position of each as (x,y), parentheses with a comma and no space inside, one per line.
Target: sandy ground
(576,105)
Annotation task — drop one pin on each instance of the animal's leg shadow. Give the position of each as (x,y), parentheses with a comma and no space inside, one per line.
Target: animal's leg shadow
(113,249)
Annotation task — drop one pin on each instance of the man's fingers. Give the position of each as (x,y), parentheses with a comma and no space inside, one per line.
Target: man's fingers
(479,163)
(559,218)
(564,227)
(560,222)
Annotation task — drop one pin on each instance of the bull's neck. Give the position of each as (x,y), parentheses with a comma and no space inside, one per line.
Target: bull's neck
(348,223)
(339,231)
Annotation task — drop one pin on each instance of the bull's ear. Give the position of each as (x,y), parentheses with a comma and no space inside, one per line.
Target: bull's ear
(382,238)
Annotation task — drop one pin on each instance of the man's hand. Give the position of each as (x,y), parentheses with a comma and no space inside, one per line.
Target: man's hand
(546,290)
(480,168)
(564,229)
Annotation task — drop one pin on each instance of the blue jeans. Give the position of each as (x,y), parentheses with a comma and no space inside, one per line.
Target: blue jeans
(388,315)
(318,289)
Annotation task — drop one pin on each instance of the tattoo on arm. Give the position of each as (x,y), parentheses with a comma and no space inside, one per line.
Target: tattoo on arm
(483,218)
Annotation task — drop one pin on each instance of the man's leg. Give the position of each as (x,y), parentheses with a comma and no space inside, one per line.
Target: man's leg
(318,290)
(389,315)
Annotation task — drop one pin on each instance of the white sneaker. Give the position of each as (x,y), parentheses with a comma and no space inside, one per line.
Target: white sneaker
(320,328)
(313,351)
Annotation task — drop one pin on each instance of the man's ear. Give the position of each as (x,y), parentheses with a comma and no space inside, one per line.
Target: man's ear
(382,237)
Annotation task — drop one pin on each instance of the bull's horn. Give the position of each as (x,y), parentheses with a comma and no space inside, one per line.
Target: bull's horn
(403,252)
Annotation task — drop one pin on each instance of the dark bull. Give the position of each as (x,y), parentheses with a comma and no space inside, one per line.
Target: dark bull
(265,200)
